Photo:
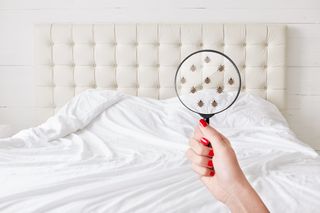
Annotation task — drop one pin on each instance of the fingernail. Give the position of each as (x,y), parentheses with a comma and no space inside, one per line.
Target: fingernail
(212,173)
(210,163)
(205,141)
(203,123)
(211,154)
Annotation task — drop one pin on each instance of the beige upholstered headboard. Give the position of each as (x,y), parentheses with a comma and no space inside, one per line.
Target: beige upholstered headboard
(141,59)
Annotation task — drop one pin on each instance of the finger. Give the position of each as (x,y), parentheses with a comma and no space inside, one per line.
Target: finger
(200,149)
(211,133)
(202,171)
(197,134)
(225,139)
(199,160)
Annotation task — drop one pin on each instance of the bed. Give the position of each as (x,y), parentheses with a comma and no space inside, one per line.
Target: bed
(108,139)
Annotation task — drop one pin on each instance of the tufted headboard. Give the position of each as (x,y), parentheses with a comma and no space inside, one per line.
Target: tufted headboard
(141,59)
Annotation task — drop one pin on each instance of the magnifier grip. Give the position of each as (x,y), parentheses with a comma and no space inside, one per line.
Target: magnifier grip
(207,120)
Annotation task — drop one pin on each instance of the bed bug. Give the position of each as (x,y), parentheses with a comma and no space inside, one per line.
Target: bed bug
(183,80)
(230,81)
(214,103)
(200,103)
(207,59)
(220,89)
(221,68)
(193,68)
(193,90)
(207,80)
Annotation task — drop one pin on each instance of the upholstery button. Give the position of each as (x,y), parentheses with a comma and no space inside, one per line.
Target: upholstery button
(223,44)
(244,44)
(266,44)
(94,65)
(72,44)
(244,66)
(201,44)
(243,87)
(179,44)
(51,43)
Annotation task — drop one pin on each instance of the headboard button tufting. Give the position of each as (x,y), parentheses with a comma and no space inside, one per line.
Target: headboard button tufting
(112,54)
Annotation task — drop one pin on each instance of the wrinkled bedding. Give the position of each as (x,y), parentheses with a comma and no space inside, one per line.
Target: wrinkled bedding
(105,151)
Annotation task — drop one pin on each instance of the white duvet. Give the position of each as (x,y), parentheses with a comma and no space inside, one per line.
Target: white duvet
(108,152)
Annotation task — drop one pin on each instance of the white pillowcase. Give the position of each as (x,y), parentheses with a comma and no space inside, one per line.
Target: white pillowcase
(250,111)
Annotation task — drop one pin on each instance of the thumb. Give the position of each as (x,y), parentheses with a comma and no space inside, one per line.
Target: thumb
(211,134)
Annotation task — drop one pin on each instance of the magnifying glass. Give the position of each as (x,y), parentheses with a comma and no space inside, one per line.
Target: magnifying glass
(207,82)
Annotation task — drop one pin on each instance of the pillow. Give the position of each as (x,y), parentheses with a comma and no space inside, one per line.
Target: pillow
(250,111)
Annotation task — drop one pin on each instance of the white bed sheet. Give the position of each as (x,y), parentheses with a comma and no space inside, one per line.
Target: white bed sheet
(109,152)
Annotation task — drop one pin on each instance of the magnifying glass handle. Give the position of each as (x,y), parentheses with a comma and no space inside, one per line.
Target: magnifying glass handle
(207,120)
(206,117)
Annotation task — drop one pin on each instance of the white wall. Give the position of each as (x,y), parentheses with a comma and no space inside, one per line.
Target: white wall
(302,17)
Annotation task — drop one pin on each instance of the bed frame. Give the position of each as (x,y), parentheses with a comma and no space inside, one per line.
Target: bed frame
(141,59)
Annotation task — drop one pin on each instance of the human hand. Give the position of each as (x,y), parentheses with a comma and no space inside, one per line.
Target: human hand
(219,170)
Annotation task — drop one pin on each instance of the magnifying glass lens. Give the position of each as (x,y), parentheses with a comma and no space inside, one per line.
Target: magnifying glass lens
(207,82)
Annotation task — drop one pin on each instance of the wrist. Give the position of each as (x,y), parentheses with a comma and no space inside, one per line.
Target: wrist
(238,191)
(243,198)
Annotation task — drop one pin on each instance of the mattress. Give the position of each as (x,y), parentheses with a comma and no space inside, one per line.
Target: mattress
(105,151)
